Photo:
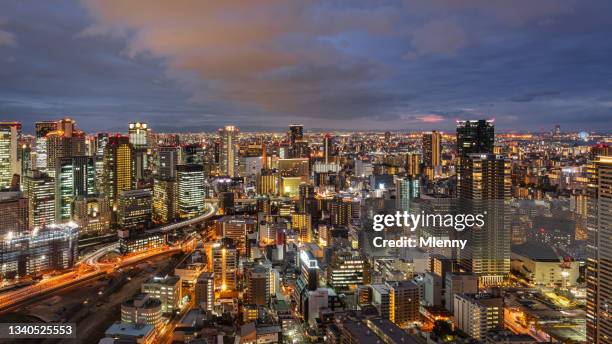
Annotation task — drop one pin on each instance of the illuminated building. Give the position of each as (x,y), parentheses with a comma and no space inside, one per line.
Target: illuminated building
(308,279)
(544,265)
(42,129)
(141,334)
(483,187)
(475,136)
(404,301)
(190,190)
(225,264)
(302,223)
(346,271)
(298,167)
(165,200)
(290,186)
(258,285)
(236,228)
(118,173)
(66,141)
(92,214)
(599,251)
(167,160)
(134,209)
(74,176)
(39,189)
(267,182)
(406,191)
(298,146)
(229,150)
(477,314)
(327,148)
(413,165)
(432,152)
(205,291)
(9,141)
(28,253)
(341,211)
(143,310)
(14,210)
(139,139)
(130,241)
(166,289)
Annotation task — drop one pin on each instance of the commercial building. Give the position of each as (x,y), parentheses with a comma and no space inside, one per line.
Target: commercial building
(228,157)
(477,314)
(9,141)
(39,189)
(92,214)
(165,201)
(225,264)
(190,190)
(205,291)
(117,173)
(14,210)
(134,209)
(142,309)
(74,177)
(166,289)
(258,285)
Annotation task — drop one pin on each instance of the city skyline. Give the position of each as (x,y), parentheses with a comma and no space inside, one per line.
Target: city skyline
(390,66)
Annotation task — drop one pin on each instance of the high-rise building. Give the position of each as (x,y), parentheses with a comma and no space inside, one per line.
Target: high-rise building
(298,146)
(236,228)
(347,270)
(302,224)
(9,162)
(167,160)
(14,210)
(413,165)
(134,209)
(407,191)
(139,139)
(484,183)
(599,251)
(74,176)
(39,189)
(258,285)
(458,283)
(432,152)
(327,148)
(229,150)
(190,180)
(225,264)
(475,136)
(404,301)
(66,141)
(205,291)
(92,214)
(165,200)
(118,168)
(477,314)
(42,129)
(142,310)
(166,289)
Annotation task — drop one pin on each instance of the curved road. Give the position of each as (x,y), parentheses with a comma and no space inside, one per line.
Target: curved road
(89,267)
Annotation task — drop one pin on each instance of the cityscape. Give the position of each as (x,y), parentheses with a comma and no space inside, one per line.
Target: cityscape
(254,237)
(317,172)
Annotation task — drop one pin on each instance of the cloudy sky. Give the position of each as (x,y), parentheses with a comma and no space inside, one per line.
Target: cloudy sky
(194,65)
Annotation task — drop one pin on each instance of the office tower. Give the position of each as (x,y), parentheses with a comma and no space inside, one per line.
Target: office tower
(296,133)
(205,291)
(346,271)
(166,289)
(407,190)
(27,158)
(139,139)
(118,173)
(101,141)
(258,285)
(165,200)
(66,141)
(42,129)
(483,187)
(267,183)
(39,188)
(341,211)
(14,210)
(134,209)
(302,224)
(191,154)
(225,264)
(228,157)
(52,248)
(298,167)
(599,251)
(74,176)
(167,160)
(475,136)
(432,153)
(477,314)
(142,310)
(413,165)
(298,147)
(308,280)
(9,162)
(404,300)
(327,148)
(190,190)
(458,283)
(92,214)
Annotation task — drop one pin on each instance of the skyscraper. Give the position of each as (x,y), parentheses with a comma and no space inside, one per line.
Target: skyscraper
(167,159)
(9,140)
(139,138)
(225,264)
(327,148)
(475,136)
(432,149)
(39,188)
(229,150)
(190,190)
(483,187)
(74,176)
(66,141)
(599,252)
(258,285)
(118,169)
(298,146)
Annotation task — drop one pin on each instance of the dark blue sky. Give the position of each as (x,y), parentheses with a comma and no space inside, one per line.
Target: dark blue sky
(405,65)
